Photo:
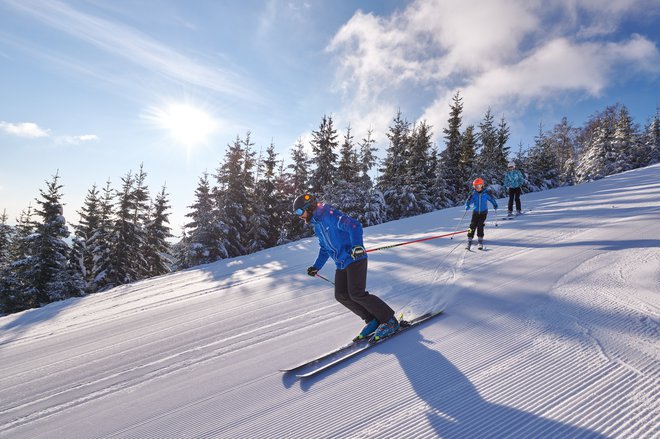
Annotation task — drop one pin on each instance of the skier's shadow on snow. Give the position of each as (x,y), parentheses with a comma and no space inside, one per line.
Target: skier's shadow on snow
(457,410)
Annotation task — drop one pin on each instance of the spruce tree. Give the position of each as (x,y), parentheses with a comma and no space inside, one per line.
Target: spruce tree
(101,242)
(264,222)
(298,181)
(17,291)
(232,197)
(393,172)
(81,262)
(596,149)
(156,250)
(126,262)
(541,164)
(6,233)
(48,272)
(203,240)
(652,139)
(492,155)
(348,163)
(453,171)
(563,144)
(418,179)
(324,144)
(467,163)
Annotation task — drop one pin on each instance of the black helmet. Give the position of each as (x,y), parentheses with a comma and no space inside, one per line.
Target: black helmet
(302,203)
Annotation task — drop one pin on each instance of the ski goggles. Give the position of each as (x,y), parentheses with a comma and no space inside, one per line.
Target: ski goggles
(478,186)
(299,211)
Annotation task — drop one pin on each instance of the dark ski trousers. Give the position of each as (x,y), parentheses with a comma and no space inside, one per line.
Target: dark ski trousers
(514,192)
(477,223)
(350,291)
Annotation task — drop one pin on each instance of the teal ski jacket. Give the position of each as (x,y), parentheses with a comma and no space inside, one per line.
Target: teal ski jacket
(513,179)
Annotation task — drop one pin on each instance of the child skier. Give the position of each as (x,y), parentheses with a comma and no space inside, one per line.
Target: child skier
(480,199)
(340,237)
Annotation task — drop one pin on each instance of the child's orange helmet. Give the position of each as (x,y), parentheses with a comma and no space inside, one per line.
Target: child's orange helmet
(478,182)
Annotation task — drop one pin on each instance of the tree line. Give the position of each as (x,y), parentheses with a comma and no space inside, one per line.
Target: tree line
(244,205)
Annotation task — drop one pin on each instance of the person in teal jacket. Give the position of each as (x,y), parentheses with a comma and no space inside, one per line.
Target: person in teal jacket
(479,199)
(513,181)
(340,238)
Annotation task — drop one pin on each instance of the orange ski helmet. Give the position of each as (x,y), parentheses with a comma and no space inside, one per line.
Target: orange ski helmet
(478,182)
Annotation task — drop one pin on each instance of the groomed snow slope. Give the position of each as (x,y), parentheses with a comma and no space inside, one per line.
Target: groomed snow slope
(550,332)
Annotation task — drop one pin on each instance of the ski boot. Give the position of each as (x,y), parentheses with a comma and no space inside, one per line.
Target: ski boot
(469,244)
(385,329)
(510,214)
(481,244)
(367,331)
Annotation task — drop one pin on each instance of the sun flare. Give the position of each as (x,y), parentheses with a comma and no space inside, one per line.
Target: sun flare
(186,124)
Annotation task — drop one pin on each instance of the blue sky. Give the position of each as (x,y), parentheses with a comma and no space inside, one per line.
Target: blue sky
(92,89)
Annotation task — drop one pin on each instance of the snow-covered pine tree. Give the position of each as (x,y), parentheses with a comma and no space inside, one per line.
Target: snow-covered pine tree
(81,261)
(624,144)
(324,143)
(126,262)
(156,250)
(595,140)
(16,291)
(232,197)
(203,241)
(418,178)
(100,243)
(451,168)
(48,274)
(265,222)
(492,157)
(392,174)
(375,211)
(349,193)
(562,140)
(297,181)
(652,138)
(6,233)
(467,165)
(348,162)
(541,164)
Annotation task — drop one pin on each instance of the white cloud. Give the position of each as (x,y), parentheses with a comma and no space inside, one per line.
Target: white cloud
(135,47)
(505,54)
(25,129)
(76,140)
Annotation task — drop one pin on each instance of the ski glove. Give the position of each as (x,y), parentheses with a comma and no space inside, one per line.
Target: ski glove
(312,271)
(357,252)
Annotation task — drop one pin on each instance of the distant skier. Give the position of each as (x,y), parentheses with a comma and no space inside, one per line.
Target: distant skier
(340,237)
(513,181)
(479,198)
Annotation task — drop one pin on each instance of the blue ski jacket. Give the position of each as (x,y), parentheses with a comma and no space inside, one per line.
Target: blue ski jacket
(338,234)
(513,179)
(480,201)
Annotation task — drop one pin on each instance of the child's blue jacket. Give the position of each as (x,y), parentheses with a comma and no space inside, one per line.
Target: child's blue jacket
(480,201)
(338,234)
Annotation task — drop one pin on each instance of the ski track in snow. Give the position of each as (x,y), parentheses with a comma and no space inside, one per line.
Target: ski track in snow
(552,332)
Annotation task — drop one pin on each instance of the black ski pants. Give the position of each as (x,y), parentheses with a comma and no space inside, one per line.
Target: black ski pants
(350,291)
(477,224)
(514,193)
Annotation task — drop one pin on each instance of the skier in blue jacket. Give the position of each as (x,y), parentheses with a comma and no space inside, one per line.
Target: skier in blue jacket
(340,238)
(513,181)
(479,198)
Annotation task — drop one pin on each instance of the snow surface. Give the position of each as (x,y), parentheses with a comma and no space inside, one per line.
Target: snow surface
(550,332)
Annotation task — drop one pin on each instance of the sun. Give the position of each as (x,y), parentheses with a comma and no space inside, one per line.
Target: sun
(185,123)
